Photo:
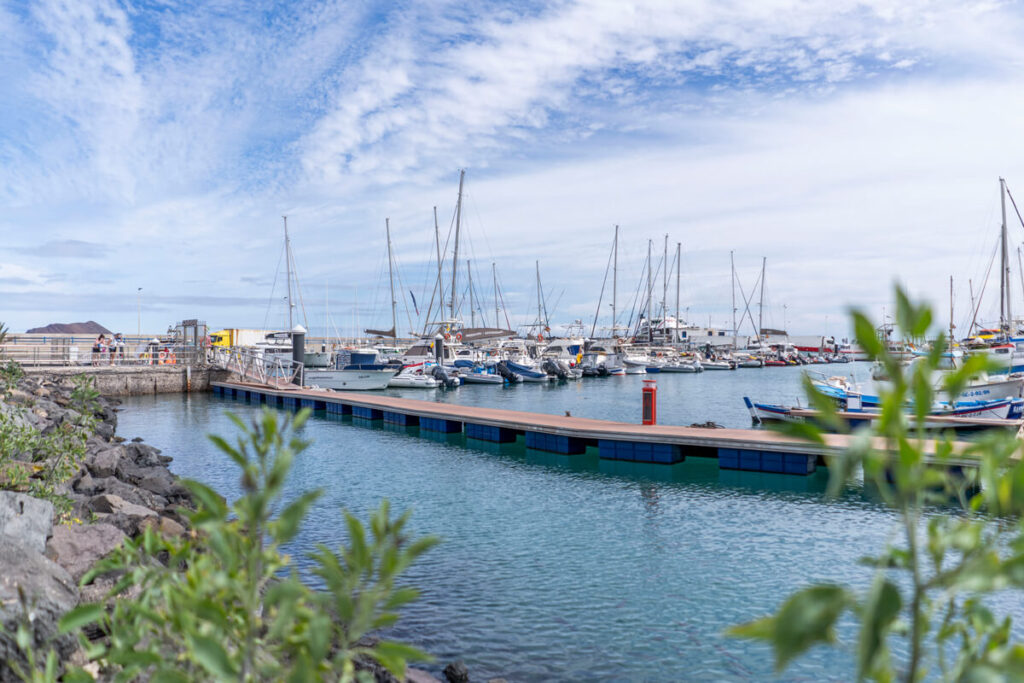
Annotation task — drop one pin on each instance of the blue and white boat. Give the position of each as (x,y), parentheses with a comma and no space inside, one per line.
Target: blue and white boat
(971,414)
(477,373)
(529,374)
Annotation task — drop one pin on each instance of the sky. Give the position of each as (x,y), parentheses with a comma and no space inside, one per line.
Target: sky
(157,145)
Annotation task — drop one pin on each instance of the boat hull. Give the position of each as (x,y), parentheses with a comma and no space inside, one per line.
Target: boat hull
(350,380)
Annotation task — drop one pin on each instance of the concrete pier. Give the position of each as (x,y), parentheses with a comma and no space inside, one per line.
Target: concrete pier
(139,380)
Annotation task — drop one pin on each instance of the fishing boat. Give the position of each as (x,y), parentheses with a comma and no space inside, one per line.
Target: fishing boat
(969,414)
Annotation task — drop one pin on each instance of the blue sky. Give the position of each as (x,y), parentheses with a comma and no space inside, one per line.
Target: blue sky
(157,145)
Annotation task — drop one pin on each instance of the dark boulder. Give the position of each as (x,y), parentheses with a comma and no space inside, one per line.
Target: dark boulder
(49,591)
(78,547)
(456,672)
(25,520)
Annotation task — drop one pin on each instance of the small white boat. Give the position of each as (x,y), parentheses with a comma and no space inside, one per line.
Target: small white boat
(413,377)
(363,379)
(683,366)
(717,365)
(635,365)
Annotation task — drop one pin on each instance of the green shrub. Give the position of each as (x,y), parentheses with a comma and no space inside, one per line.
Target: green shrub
(932,580)
(224,603)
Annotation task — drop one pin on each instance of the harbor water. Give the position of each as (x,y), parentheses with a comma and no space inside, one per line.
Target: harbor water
(568,567)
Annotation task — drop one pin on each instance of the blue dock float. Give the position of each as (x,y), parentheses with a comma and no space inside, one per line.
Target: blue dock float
(490,433)
(733,450)
(766,461)
(555,443)
(639,451)
(401,419)
(339,408)
(365,413)
(432,424)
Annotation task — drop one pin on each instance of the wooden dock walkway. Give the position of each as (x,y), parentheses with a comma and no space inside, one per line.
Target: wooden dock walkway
(739,449)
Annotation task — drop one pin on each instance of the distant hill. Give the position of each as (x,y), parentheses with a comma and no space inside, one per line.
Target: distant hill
(90,327)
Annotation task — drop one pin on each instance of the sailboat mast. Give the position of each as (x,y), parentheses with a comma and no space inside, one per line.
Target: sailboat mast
(732,263)
(951,359)
(760,305)
(288,270)
(650,292)
(494,274)
(615,278)
(455,254)
(472,311)
(1005,314)
(540,318)
(664,282)
(679,251)
(391,278)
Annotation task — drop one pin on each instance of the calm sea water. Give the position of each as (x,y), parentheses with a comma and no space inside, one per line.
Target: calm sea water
(569,567)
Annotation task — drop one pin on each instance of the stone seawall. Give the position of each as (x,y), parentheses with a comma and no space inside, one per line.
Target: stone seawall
(138,380)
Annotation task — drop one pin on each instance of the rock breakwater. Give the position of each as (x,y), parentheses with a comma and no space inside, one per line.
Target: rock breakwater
(71,491)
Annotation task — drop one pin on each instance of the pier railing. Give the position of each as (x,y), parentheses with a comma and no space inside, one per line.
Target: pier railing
(84,355)
(249,364)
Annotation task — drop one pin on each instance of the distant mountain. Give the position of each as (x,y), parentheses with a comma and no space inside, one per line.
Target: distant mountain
(90,327)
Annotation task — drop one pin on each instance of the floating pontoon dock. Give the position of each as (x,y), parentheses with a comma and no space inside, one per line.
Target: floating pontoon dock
(736,449)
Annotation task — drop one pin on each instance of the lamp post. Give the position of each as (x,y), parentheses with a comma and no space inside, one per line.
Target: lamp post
(138,304)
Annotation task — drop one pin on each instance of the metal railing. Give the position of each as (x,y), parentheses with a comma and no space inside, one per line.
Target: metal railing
(84,355)
(253,365)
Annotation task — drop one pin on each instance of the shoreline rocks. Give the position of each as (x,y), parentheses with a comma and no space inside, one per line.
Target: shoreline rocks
(118,490)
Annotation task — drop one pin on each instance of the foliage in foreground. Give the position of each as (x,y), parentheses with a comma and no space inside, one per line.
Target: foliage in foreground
(40,463)
(224,602)
(928,611)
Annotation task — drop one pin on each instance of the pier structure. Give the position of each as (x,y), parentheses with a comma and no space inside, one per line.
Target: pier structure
(735,449)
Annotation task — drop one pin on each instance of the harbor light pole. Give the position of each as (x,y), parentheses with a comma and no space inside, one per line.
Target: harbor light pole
(138,306)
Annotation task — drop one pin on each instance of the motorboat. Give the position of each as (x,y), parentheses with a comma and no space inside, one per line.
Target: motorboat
(682,365)
(362,373)
(528,373)
(413,377)
(478,373)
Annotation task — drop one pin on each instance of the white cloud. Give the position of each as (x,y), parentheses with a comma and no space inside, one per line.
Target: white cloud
(836,138)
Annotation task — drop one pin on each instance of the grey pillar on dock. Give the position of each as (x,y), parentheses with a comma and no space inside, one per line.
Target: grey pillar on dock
(439,349)
(299,349)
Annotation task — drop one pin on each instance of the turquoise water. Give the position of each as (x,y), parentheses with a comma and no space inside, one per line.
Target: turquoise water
(569,567)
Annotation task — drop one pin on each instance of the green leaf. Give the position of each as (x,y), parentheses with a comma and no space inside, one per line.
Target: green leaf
(287,523)
(393,656)
(880,609)
(80,616)
(212,656)
(806,618)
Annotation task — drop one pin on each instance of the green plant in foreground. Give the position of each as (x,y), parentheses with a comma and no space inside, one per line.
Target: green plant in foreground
(928,612)
(224,603)
(11,372)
